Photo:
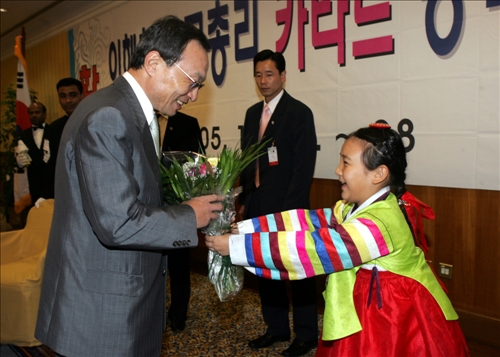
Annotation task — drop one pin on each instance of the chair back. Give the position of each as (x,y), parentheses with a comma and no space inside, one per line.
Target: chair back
(32,240)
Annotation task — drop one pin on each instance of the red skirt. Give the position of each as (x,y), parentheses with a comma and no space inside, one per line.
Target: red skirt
(410,323)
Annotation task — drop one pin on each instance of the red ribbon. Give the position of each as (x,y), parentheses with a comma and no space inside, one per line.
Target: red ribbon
(416,210)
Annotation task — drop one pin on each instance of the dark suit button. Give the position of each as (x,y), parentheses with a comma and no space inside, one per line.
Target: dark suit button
(164,272)
(175,244)
(189,242)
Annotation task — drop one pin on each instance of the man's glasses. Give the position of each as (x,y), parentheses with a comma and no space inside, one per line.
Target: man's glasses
(193,85)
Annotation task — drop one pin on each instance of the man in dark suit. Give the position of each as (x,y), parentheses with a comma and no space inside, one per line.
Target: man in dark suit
(34,138)
(104,284)
(180,132)
(70,94)
(281,181)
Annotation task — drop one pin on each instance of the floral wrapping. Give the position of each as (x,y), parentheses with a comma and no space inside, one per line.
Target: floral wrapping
(186,175)
(226,278)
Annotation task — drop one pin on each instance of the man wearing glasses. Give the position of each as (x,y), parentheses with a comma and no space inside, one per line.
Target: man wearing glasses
(104,285)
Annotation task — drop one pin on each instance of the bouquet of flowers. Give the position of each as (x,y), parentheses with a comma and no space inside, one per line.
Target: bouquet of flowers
(186,175)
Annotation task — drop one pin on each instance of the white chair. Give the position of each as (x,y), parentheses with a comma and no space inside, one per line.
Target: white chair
(22,261)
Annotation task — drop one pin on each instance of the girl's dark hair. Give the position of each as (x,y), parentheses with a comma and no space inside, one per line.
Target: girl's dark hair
(169,36)
(384,147)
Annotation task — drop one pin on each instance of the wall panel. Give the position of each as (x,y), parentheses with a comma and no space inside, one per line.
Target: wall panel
(47,63)
(51,54)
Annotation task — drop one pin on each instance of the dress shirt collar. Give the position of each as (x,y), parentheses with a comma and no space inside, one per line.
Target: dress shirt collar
(146,105)
(274,102)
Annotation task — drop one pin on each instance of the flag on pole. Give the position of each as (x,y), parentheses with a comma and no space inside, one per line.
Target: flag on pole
(22,198)
(23,93)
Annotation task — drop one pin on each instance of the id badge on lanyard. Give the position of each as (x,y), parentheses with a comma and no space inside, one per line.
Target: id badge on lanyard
(272,154)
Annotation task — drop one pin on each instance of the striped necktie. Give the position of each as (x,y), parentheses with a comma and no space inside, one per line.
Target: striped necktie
(155,133)
(264,120)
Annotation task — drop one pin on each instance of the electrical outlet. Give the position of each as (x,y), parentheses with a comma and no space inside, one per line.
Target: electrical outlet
(445,270)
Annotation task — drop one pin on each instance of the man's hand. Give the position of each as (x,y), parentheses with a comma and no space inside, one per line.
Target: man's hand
(40,200)
(206,208)
(22,160)
(219,244)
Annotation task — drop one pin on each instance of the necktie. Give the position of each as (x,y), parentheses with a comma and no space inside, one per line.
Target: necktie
(37,127)
(264,120)
(155,133)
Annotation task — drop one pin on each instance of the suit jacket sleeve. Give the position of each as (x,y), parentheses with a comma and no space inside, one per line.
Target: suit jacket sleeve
(304,148)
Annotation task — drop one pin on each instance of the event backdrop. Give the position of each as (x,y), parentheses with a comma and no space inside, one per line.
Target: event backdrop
(428,68)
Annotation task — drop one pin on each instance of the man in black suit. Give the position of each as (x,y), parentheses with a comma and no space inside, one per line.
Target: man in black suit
(34,138)
(70,93)
(180,132)
(280,182)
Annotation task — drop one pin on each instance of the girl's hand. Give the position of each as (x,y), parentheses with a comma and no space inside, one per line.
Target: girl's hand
(219,244)
(234,228)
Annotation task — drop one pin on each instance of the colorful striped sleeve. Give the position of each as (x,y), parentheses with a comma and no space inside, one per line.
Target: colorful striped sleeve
(307,247)
(292,220)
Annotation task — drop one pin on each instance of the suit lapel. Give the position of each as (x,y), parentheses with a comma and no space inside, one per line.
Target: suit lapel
(141,124)
(152,158)
(30,140)
(45,129)
(135,107)
(168,137)
(277,116)
(255,124)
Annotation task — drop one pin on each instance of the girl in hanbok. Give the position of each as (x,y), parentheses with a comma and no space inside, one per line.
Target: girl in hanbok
(382,297)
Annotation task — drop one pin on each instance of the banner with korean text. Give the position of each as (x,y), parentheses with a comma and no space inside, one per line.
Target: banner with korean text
(431,69)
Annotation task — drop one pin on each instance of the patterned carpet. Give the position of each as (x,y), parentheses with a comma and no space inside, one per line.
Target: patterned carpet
(217,328)
(213,328)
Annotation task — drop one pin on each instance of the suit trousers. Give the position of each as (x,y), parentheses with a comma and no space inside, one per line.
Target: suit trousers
(275,307)
(178,261)
(274,297)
